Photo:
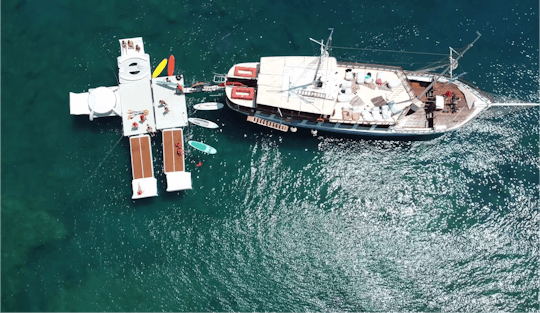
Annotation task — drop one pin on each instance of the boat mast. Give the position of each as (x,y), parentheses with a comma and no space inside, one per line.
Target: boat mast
(452,64)
(324,51)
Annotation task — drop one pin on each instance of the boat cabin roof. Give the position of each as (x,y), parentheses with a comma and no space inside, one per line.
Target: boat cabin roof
(288,83)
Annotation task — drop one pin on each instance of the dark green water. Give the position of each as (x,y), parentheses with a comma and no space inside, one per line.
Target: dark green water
(275,222)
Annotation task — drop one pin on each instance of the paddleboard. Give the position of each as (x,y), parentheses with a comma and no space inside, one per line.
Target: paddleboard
(159,68)
(208,106)
(170,68)
(202,147)
(167,84)
(202,123)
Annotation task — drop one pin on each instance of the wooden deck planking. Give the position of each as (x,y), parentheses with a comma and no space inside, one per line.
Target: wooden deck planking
(415,120)
(441,117)
(146,156)
(173,161)
(178,159)
(136,161)
(168,151)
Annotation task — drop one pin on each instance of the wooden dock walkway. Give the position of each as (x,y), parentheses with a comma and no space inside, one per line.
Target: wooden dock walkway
(141,157)
(173,162)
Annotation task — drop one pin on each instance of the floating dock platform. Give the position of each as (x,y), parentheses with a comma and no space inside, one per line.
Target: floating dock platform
(145,105)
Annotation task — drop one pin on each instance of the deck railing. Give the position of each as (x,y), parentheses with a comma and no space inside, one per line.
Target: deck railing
(471,87)
(377,67)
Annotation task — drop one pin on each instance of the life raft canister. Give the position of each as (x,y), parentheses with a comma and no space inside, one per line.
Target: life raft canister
(243,93)
(243,71)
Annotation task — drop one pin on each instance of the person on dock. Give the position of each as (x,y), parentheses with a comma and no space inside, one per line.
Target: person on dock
(167,109)
(150,131)
(140,191)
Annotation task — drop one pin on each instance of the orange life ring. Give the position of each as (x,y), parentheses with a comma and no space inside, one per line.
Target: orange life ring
(239,69)
(320,120)
(243,93)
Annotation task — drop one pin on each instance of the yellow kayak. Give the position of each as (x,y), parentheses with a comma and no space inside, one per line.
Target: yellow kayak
(159,68)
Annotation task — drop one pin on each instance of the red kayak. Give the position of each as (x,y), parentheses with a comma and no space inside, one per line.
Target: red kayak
(235,84)
(170,69)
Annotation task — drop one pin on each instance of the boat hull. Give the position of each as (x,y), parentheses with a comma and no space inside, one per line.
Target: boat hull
(354,130)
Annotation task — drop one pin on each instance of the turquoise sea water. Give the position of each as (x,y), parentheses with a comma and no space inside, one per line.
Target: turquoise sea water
(275,222)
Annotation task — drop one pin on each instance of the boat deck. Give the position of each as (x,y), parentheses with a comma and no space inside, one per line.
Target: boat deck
(445,117)
(173,162)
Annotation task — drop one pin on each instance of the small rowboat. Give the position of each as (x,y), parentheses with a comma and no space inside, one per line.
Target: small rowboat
(202,123)
(208,106)
(167,84)
(202,147)
(235,84)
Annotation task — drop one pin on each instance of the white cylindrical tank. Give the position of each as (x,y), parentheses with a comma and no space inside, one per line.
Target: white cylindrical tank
(394,83)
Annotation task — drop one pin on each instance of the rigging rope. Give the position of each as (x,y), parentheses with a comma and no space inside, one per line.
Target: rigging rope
(380,50)
(85,183)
